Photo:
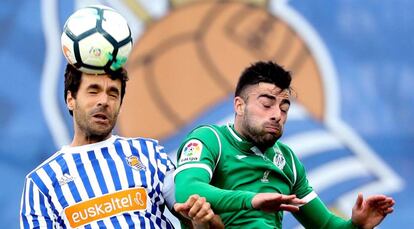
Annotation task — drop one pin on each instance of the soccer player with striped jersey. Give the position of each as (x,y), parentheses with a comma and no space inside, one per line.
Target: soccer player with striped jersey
(102,180)
(250,177)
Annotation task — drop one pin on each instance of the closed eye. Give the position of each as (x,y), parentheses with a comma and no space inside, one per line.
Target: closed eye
(284,107)
(267,101)
(114,95)
(93,89)
(113,92)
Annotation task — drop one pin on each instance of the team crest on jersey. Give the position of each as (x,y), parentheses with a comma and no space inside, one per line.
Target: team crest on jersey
(279,160)
(135,163)
(65,178)
(191,151)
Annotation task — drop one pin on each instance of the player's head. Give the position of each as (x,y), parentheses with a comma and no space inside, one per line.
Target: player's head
(263,72)
(94,101)
(261,103)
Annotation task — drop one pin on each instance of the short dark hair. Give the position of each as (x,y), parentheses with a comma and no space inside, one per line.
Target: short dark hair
(73,78)
(263,72)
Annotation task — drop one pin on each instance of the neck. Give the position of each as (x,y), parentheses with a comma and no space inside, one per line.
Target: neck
(84,139)
(239,130)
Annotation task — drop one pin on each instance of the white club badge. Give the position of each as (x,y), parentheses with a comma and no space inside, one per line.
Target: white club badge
(279,159)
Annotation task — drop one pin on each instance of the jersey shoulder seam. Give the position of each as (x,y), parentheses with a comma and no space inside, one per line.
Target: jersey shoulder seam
(215,132)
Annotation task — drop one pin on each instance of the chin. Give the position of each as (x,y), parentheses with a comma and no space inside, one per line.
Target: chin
(100,133)
(266,142)
(271,140)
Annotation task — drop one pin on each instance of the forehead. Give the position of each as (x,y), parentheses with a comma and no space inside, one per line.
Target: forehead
(269,89)
(102,80)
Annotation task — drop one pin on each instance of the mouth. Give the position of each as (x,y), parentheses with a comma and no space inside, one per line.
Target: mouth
(100,117)
(272,129)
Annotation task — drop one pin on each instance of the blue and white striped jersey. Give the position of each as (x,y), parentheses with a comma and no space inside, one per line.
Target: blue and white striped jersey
(116,183)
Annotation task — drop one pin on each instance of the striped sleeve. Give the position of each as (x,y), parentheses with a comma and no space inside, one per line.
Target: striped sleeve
(35,210)
(163,158)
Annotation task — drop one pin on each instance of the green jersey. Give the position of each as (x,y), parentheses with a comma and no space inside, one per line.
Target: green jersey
(217,163)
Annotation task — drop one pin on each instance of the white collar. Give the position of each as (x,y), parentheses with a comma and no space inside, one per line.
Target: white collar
(88,147)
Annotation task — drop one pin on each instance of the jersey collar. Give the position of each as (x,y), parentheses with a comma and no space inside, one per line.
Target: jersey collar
(88,147)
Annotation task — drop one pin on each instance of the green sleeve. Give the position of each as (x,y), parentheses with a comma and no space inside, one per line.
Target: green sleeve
(195,168)
(313,214)
(195,181)
(301,187)
(205,148)
(316,215)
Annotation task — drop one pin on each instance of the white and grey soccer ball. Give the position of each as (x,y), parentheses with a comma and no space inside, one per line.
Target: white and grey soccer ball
(96,40)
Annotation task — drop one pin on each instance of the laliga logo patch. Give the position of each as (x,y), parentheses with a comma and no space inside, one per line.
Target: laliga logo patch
(135,163)
(191,151)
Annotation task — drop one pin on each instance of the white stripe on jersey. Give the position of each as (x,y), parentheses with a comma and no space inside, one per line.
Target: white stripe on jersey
(26,193)
(65,188)
(152,160)
(48,182)
(106,172)
(36,199)
(83,174)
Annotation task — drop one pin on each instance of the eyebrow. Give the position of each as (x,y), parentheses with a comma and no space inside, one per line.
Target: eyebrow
(93,86)
(271,97)
(97,86)
(114,89)
(267,96)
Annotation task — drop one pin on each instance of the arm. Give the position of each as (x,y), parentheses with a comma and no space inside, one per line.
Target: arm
(35,211)
(196,181)
(195,212)
(231,200)
(316,215)
(365,214)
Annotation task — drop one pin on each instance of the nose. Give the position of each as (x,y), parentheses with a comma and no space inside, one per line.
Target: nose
(103,100)
(276,114)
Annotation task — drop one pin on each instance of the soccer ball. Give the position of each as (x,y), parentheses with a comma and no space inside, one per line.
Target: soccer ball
(96,40)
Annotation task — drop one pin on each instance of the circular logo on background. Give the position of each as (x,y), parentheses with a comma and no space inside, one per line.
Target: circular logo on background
(180,67)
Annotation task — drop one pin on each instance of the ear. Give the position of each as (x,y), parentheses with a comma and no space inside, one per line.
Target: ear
(239,106)
(70,101)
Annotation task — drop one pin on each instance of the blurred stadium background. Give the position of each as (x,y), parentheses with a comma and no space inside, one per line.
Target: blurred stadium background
(353,70)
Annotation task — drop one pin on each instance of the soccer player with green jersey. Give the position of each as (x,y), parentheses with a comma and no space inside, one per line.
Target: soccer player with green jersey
(250,177)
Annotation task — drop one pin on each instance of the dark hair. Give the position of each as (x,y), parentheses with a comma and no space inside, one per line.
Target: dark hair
(263,72)
(73,78)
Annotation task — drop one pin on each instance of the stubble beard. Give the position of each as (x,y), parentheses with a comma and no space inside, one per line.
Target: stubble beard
(257,134)
(92,131)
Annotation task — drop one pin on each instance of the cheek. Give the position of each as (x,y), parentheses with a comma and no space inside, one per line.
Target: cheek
(116,106)
(87,105)
(257,116)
